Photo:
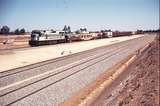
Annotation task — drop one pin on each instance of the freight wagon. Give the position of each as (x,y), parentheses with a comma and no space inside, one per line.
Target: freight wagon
(118,34)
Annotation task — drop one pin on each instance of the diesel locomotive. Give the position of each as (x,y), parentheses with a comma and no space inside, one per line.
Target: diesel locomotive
(47,37)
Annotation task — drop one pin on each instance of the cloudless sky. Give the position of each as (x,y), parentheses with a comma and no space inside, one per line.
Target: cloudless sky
(120,15)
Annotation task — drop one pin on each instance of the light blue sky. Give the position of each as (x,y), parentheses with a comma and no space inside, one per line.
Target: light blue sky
(94,14)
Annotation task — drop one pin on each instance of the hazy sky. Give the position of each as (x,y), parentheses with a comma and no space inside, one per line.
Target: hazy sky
(93,14)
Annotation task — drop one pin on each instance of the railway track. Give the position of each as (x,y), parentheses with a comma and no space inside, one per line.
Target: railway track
(14,77)
(42,80)
(67,67)
(103,56)
(28,67)
(42,67)
(80,55)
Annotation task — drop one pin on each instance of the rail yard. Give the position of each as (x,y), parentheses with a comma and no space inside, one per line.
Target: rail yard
(50,75)
(79,53)
(27,56)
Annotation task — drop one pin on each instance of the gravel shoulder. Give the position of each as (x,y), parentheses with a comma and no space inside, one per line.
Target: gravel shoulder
(138,85)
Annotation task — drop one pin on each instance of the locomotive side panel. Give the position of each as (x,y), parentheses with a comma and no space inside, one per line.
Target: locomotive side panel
(47,38)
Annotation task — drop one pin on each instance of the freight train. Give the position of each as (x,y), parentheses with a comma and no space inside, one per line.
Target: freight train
(49,37)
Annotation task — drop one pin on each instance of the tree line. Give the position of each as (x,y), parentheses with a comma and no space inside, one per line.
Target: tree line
(5,30)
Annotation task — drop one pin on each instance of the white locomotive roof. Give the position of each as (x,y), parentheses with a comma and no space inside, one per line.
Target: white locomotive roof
(49,31)
(53,31)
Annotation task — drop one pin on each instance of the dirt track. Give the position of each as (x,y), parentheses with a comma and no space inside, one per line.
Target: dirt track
(138,85)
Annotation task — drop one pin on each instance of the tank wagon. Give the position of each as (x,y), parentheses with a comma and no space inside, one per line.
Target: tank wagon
(47,37)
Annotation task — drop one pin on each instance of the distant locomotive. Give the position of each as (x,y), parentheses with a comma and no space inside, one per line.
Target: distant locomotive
(47,37)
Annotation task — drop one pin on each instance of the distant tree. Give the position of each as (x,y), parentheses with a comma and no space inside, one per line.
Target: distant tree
(0,31)
(5,30)
(139,30)
(22,31)
(83,29)
(17,32)
(102,30)
(69,29)
(77,32)
(65,28)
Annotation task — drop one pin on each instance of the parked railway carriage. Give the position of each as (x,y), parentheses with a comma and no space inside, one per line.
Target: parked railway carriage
(47,37)
(86,36)
(83,36)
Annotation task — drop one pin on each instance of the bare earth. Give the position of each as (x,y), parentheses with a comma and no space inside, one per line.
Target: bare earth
(15,41)
(138,85)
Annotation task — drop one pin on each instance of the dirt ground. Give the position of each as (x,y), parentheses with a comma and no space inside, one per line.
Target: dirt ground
(13,41)
(139,85)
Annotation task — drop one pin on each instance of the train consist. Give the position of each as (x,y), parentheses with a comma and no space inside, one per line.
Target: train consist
(48,37)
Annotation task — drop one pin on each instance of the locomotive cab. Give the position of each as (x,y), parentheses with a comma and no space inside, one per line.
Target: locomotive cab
(35,35)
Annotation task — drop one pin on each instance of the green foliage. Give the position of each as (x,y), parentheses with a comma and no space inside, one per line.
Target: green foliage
(5,30)
(16,32)
(67,29)
(22,31)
